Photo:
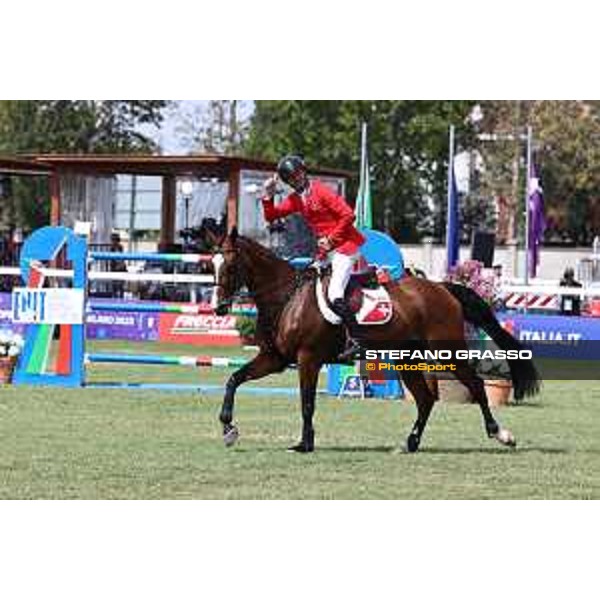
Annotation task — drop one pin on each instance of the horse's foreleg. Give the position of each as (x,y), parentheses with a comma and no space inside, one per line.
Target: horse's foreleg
(261,365)
(424,399)
(309,376)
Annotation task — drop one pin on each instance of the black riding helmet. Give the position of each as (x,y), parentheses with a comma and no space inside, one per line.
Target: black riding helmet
(292,170)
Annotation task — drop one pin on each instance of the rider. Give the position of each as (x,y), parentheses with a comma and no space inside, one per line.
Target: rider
(332,222)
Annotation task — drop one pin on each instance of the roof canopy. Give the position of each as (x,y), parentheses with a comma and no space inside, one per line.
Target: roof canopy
(205,165)
(18,166)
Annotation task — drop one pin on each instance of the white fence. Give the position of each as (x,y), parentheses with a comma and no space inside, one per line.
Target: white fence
(553,261)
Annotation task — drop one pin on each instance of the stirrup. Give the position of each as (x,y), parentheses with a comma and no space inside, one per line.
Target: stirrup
(351,353)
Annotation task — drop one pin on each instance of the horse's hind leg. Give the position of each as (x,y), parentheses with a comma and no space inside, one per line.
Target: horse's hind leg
(261,365)
(469,378)
(424,397)
(452,337)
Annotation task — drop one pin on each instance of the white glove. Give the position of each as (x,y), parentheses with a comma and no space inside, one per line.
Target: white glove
(270,186)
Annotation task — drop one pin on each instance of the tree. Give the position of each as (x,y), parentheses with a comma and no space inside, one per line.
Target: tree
(216,126)
(567,150)
(38,126)
(408,149)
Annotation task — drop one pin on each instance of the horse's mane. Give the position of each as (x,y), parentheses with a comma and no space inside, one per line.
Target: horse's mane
(258,250)
(276,279)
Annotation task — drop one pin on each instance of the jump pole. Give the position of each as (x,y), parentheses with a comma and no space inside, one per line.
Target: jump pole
(152,257)
(207,388)
(163,308)
(182,258)
(154,359)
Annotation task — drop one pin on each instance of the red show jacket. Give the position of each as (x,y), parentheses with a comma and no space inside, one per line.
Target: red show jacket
(326,213)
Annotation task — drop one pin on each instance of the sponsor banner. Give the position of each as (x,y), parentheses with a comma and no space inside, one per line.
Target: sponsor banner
(198,329)
(550,328)
(117,325)
(109,325)
(47,305)
(6,320)
(205,329)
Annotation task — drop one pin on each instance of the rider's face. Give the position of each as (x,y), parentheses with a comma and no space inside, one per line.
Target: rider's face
(299,180)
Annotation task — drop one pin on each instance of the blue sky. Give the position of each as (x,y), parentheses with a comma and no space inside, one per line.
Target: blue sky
(166,136)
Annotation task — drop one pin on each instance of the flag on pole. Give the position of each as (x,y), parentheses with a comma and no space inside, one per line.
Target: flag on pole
(452,225)
(537,222)
(363,209)
(452,220)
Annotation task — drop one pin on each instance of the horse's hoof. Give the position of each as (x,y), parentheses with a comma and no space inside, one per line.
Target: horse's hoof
(412,444)
(506,438)
(231,436)
(301,448)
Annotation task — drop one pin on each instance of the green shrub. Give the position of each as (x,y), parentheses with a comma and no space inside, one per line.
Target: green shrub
(246,326)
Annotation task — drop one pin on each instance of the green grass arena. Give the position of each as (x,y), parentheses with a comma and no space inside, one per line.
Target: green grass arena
(129,444)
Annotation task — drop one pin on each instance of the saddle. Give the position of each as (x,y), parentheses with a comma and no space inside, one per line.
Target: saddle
(365,295)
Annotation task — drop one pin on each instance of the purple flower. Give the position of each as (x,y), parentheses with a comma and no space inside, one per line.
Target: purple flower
(470,274)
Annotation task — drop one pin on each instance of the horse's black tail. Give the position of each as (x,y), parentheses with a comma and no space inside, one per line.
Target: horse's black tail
(524,375)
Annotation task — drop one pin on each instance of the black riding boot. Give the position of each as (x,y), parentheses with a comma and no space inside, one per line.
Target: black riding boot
(341,308)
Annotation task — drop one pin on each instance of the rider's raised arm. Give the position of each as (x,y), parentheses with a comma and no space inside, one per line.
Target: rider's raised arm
(288,206)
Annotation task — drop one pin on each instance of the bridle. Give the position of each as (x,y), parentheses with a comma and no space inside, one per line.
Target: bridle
(237,277)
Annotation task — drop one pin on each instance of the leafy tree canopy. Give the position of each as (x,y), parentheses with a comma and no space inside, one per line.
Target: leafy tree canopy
(567,151)
(408,150)
(74,126)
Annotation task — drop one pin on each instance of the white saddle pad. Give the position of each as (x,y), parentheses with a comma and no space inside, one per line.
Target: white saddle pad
(376,307)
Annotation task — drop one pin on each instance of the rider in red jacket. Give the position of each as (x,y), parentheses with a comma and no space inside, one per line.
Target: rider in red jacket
(332,221)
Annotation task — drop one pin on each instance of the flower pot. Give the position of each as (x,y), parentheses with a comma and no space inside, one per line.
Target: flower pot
(498,391)
(7,366)
(453,391)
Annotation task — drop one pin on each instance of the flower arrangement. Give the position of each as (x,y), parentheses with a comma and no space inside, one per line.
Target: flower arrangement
(11,344)
(496,373)
(470,273)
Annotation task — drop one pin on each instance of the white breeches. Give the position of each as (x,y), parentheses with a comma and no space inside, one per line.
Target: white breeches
(341,269)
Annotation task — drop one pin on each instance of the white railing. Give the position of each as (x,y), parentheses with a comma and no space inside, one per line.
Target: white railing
(119,275)
(551,290)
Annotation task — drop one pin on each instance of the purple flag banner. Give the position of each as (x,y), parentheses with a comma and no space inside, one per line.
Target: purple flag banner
(453,224)
(537,221)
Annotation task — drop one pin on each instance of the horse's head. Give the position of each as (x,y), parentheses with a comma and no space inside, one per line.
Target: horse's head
(243,262)
(230,274)
(210,234)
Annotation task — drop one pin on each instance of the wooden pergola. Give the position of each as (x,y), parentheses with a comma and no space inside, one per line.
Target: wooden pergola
(18,166)
(169,168)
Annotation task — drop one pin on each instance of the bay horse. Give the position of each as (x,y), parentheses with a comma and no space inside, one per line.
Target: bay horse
(291,330)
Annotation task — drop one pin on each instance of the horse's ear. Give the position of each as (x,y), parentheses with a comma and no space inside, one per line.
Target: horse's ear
(213,240)
(233,234)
